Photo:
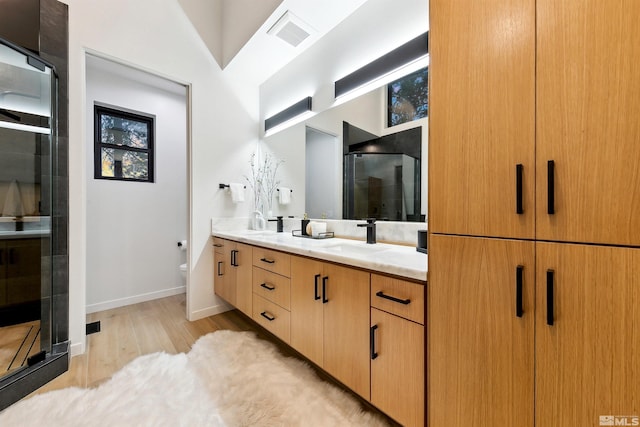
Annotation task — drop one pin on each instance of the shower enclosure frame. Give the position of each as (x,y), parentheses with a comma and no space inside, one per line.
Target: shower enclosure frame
(55,360)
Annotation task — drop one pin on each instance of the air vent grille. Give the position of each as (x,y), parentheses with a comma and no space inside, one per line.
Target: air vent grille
(291,29)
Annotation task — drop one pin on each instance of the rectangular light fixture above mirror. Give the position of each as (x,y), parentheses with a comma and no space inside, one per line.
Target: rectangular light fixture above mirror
(407,58)
(289,116)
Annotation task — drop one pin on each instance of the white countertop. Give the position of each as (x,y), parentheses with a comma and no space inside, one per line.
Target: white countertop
(404,261)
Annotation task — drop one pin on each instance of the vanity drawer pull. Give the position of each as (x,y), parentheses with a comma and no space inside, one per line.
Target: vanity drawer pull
(268,316)
(394,299)
(519,280)
(268,261)
(519,173)
(324,289)
(372,341)
(217,245)
(267,287)
(219,271)
(550,297)
(316,297)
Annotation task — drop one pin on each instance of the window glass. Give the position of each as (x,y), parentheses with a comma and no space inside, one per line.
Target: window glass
(408,98)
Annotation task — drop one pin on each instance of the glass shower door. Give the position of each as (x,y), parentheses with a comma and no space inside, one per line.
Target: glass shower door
(27,129)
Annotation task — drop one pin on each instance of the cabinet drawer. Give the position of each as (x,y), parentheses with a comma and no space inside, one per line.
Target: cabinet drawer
(399,297)
(274,261)
(273,287)
(218,245)
(272,317)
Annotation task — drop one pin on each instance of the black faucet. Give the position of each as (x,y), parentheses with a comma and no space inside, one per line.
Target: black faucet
(371,230)
(279,225)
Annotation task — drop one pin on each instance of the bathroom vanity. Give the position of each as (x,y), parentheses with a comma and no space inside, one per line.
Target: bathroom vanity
(355,310)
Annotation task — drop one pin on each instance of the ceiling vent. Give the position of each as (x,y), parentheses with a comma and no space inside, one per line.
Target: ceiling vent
(291,29)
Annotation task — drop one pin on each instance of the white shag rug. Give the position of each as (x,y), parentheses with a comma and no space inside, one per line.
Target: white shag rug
(227,379)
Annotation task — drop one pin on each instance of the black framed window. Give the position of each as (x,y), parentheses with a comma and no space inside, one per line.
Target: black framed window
(124,145)
(408,98)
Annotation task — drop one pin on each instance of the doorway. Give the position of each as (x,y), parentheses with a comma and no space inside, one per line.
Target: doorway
(323,183)
(133,227)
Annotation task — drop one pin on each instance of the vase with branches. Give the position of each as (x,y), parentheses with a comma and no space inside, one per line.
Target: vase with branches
(263,180)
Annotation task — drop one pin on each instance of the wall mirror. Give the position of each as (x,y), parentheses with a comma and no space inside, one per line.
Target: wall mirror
(344,162)
(351,164)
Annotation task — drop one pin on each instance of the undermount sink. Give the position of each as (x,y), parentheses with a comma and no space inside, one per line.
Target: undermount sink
(355,248)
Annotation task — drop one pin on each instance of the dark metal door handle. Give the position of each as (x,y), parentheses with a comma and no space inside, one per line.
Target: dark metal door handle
(216,245)
(268,316)
(324,289)
(394,299)
(372,341)
(219,272)
(269,261)
(234,258)
(550,274)
(519,175)
(551,200)
(519,279)
(316,296)
(267,287)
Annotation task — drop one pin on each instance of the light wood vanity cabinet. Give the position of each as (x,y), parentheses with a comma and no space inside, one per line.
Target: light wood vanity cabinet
(232,272)
(536,84)
(397,349)
(364,329)
(330,319)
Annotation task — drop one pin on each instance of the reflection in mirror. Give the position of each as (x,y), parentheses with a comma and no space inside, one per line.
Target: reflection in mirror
(381,186)
(382,175)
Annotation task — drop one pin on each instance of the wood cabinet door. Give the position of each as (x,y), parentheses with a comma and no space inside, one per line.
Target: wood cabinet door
(243,274)
(346,326)
(481,117)
(588,361)
(223,272)
(397,368)
(481,354)
(307,308)
(3,272)
(587,105)
(24,275)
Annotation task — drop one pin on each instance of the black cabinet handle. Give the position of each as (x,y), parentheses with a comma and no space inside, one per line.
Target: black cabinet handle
(519,172)
(519,279)
(372,341)
(394,299)
(234,258)
(316,297)
(219,272)
(324,290)
(550,297)
(267,287)
(268,316)
(216,245)
(268,261)
(551,198)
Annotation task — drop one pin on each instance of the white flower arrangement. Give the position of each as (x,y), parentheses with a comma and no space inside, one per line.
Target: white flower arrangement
(263,180)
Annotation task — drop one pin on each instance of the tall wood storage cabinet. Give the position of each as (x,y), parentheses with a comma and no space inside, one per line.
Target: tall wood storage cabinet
(533,283)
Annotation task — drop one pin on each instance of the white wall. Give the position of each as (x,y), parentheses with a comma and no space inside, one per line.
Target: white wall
(133,227)
(156,36)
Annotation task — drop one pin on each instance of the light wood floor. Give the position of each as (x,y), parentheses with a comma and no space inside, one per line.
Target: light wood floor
(17,343)
(149,327)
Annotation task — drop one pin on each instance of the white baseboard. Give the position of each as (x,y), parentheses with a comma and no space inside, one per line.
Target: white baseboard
(76,349)
(121,302)
(209,311)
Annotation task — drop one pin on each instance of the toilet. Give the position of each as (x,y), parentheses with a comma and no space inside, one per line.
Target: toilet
(183,274)
(183,267)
